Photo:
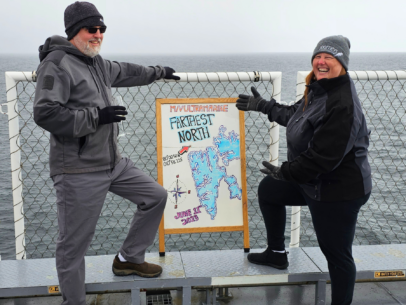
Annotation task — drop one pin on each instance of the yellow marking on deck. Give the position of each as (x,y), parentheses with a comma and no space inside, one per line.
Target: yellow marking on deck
(386,274)
(53,289)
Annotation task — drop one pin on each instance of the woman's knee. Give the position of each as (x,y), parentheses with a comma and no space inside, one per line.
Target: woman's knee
(265,188)
(273,191)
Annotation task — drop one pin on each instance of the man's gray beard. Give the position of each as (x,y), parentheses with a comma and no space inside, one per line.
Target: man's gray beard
(85,47)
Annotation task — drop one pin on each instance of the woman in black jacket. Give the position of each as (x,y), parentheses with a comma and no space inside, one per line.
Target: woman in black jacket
(327,167)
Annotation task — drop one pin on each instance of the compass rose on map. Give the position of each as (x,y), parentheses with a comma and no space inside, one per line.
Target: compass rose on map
(177,192)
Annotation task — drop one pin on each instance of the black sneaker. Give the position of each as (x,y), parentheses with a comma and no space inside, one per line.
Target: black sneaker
(270,258)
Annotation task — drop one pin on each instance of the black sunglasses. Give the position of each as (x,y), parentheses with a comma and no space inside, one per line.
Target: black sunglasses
(94,30)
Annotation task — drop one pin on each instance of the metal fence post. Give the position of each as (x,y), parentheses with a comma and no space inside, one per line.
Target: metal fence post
(295,213)
(15,153)
(320,298)
(274,128)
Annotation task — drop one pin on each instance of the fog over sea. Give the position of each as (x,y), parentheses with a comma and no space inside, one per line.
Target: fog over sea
(287,63)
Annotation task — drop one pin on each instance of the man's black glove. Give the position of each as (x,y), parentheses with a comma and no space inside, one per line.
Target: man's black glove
(253,103)
(111,114)
(271,170)
(169,74)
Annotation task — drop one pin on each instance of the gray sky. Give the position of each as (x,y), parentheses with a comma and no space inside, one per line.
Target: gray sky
(213,26)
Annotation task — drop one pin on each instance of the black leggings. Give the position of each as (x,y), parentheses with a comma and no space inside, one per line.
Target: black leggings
(334,224)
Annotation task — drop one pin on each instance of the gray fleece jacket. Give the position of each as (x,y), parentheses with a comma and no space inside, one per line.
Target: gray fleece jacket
(70,89)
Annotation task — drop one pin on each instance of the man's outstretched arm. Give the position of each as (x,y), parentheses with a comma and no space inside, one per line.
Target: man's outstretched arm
(129,74)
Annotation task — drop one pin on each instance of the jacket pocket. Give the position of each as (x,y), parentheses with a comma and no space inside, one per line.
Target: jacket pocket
(83,141)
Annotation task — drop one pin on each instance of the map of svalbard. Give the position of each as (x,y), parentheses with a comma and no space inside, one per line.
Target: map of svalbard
(207,172)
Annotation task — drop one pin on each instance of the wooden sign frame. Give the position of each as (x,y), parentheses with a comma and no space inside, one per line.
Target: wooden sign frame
(244,227)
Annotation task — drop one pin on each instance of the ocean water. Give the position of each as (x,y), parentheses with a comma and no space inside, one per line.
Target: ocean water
(288,64)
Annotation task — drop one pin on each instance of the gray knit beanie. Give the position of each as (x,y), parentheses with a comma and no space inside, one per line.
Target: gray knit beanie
(79,15)
(338,46)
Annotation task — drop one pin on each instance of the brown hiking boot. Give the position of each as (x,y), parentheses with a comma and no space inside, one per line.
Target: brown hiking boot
(126,268)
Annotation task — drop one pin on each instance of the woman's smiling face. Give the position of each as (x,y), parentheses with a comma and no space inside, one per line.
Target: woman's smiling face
(326,66)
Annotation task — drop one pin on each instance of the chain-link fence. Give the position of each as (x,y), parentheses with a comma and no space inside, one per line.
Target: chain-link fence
(38,195)
(381,221)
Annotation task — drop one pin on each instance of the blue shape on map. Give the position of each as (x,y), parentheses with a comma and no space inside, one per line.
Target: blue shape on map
(207,173)
(235,191)
(228,146)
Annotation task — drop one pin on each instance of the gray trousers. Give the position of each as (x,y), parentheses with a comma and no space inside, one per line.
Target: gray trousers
(80,199)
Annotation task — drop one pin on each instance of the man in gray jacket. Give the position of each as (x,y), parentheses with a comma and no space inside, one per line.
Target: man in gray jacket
(73,101)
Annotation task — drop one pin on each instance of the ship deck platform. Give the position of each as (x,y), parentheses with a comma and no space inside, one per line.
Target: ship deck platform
(206,271)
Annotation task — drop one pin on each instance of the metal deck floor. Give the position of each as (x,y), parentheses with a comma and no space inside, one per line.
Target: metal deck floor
(391,293)
(217,268)
(385,257)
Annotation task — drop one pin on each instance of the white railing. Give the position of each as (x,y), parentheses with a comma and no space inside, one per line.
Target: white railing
(15,154)
(13,78)
(371,86)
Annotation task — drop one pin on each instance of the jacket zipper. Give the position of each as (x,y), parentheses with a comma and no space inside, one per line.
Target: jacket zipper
(98,89)
(104,76)
(112,125)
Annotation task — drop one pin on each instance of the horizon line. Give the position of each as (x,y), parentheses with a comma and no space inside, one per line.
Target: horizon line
(206,53)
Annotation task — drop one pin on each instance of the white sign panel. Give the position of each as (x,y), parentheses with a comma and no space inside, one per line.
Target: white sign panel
(201,163)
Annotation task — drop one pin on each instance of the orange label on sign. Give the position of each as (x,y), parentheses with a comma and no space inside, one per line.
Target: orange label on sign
(395,273)
(53,289)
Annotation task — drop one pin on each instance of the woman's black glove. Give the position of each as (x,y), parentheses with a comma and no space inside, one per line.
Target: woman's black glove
(169,74)
(271,170)
(253,103)
(111,114)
